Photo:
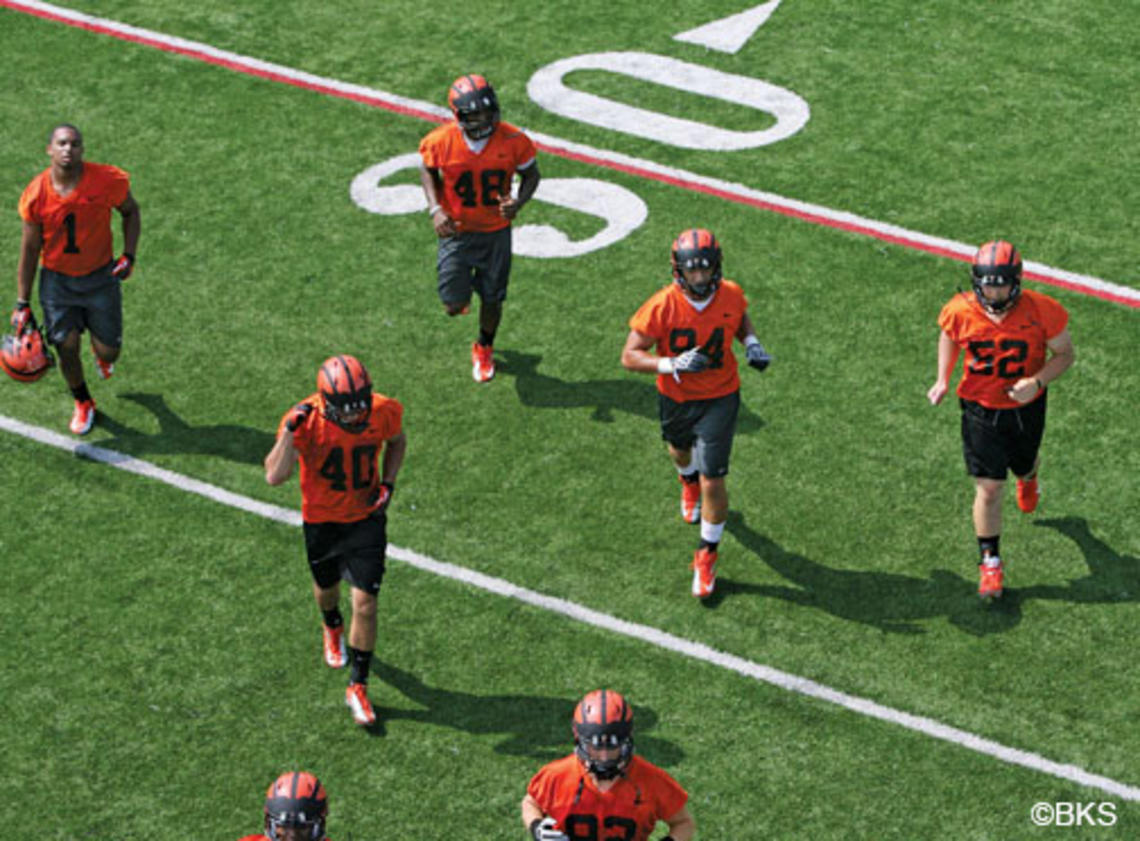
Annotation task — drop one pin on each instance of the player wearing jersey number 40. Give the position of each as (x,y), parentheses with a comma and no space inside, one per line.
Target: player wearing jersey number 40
(338,435)
(467,170)
(66,212)
(1016,342)
(692,323)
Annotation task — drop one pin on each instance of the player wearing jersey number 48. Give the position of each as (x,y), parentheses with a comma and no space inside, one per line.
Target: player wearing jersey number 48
(466,173)
(66,212)
(1016,342)
(691,324)
(338,435)
(603,784)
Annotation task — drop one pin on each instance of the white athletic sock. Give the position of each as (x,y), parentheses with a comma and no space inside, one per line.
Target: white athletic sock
(711,532)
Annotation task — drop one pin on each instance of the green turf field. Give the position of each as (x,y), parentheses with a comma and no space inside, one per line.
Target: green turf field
(164,657)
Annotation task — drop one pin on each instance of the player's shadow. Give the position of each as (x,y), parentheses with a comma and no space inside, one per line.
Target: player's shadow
(1113,578)
(532,726)
(633,394)
(228,441)
(888,601)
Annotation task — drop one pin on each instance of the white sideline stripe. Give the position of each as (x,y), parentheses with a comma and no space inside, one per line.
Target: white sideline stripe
(818,214)
(571,610)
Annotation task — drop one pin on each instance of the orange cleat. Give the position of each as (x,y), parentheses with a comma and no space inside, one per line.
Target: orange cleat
(336,656)
(990,581)
(482,363)
(690,500)
(83,418)
(356,699)
(105,369)
(1028,494)
(704,573)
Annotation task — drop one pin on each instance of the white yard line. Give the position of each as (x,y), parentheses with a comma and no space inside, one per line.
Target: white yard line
(739,193)
(645,633)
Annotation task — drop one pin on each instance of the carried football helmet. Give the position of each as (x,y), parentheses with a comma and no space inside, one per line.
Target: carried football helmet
(296,800)
(26,357)
(996,263)
(603,720)
(697,248)
(475,106)
(346,392)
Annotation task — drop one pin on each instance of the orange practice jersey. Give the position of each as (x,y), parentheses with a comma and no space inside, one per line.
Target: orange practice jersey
(676,325)
(76,227)
(630,810)
(999,354)
(473,183)
(339,470)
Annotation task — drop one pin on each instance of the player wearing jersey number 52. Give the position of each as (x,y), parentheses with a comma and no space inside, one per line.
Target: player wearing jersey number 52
(1016,342)
(602,790)
(466,175)
(693,322)
(66,211)
(338,435)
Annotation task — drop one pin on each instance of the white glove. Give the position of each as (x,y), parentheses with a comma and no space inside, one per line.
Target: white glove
(544,831)
(691,361)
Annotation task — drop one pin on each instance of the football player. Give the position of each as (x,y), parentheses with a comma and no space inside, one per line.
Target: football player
(66,211)
(692,322)
(467,170)
(603,789)
(296,808)
(1017,342)
(339,435)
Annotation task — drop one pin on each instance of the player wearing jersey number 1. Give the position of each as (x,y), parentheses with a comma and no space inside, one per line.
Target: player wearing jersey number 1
(1016,342)
(693,322)
(338,436)
(66,213)
(467,170)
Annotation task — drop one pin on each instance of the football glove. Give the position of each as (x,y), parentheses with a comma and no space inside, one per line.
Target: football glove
(123,266)
(383,496)
(298,416)
(22,317)
(690,362)
(544,830)
(758,358)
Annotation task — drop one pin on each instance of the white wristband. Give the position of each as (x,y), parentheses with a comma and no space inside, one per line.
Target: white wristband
(432,210)
(665,365)
(751,340)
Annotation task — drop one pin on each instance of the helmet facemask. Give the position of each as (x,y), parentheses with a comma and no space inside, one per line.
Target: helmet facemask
(475,106)
(590,738)
(692,250)
(996,264)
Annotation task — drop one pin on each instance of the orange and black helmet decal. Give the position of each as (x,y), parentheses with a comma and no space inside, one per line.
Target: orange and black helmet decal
(296,799)
(998,260)
(467,92)
(342,378)
(603,707)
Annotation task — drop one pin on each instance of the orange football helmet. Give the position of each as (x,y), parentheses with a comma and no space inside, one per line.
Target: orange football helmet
(26,357)
(475,106)
(346,392)
(696,248)
(603,721)
(996,263)
(297,800)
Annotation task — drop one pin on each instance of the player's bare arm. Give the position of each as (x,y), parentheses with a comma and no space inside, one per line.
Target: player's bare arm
(281,460)
(947,359)
(682,827)
(132,223)
(1061,356)
(509,206)
(433,186)
(394,449)
(635,356)
(31,242)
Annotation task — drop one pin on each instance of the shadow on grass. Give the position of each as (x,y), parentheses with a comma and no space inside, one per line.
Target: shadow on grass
(897,603)
(228,441)
(532,726)
(634,394)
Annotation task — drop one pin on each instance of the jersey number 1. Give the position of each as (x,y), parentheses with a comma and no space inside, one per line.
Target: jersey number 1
(69,223)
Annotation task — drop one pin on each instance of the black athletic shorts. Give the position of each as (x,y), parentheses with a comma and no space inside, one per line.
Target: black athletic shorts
(995,441)
(474,261)
(353,551)
(705,426)
(92,302)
